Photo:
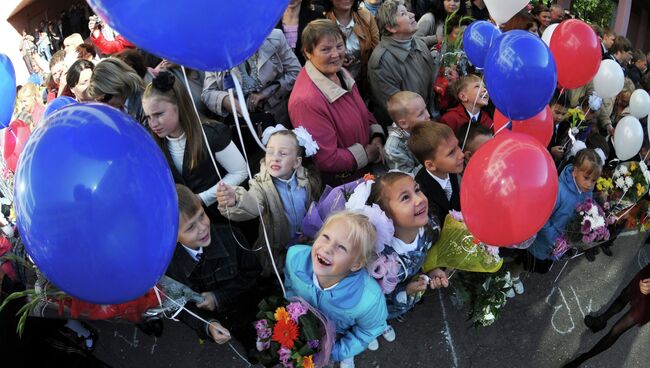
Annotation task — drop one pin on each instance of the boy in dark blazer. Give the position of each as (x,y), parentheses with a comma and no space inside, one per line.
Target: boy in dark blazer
(436,147)
(210,260)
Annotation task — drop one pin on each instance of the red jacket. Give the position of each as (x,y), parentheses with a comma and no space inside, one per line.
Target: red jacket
(107,47)
(458,116)
(342,127)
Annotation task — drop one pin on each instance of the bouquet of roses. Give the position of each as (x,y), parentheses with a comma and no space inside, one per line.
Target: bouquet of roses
(483,293)
(292,334)
(630,183)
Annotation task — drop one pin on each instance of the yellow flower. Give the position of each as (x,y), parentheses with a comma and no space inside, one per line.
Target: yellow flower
(308,361)
(281,314)
(639,190)
(604,184)
(633,166)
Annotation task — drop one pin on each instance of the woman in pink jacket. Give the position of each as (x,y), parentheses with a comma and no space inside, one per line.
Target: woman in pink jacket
(326,101)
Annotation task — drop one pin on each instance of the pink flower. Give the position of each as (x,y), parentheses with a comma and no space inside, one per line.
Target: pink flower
(262,329)
(262,345)
(493,251)
(296,310)
(456,215)
(561,246)
(285,356)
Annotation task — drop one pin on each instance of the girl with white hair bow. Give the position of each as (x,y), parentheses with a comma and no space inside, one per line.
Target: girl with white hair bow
(280,193)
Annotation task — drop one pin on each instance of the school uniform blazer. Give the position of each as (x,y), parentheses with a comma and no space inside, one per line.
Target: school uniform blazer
(225,270)
(438,203)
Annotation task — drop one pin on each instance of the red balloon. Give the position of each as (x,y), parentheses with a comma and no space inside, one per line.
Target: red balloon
(539,126)
(577,53)
(15,137)
(509,189)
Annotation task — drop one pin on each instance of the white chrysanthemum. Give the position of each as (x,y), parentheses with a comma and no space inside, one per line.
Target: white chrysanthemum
(623,170)
(620,183)
(629,182)
(489,317)
(597,222)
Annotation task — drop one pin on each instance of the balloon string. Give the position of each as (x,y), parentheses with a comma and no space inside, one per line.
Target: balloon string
(182,308)
(14,134)
(242,105)
(471,120)
(214,163)
(503,127)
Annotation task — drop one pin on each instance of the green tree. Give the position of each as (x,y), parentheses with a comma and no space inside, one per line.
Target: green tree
(592,11)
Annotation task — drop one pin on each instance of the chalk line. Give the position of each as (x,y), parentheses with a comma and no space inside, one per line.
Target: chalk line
(447,332)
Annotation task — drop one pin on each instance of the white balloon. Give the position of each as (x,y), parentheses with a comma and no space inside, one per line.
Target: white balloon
(609,80)
(628,138)
(502,10)
(640,103)
(548,33)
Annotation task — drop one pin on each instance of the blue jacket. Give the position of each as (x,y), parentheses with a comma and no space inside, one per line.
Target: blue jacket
(568,198)
(356,305)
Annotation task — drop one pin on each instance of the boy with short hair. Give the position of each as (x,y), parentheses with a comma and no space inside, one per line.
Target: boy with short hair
(560,128)
(209,259)
(405,108)
(474,139)
(473,97)
(436,147)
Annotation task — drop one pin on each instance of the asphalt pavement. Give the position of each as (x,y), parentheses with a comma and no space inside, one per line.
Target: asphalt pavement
(541,328)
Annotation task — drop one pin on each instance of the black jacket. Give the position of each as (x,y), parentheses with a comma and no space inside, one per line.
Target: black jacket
(225,269)
(203,176)
(438,203)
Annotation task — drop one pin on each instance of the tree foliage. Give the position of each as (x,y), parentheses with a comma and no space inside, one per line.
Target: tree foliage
(593,11)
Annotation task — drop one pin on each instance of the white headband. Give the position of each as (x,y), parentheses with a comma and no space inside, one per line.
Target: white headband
(305,139)
(580,145)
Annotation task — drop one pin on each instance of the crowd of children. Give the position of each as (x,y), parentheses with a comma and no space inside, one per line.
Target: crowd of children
(418,171)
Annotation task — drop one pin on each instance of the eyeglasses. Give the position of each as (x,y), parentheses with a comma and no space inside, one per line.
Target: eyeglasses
(107,97)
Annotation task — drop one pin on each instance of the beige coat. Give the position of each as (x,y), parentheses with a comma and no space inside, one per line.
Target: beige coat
(277,68)
(263,192)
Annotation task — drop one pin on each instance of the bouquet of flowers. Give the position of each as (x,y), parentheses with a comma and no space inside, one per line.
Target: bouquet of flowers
(630,184)
(483,293)
(589,227)
(575,117)
(292,334)
(457,248)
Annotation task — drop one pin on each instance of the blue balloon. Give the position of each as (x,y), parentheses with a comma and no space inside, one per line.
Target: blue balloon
(96,204)
(477,39)
(520,74)
(202,34)
(56,104)
(7,90)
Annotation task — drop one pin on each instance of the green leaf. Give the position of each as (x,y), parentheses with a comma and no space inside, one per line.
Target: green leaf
(305,350)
